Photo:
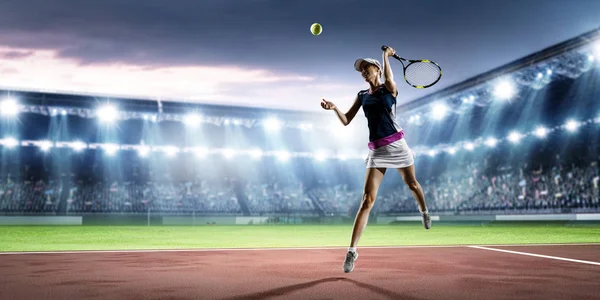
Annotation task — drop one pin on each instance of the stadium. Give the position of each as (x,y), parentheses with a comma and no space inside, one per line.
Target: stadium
(121,198)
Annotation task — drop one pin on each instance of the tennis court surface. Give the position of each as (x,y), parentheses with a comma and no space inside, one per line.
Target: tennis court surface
(412,272)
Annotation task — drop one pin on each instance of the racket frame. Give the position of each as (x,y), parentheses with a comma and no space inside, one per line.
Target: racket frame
(412,61)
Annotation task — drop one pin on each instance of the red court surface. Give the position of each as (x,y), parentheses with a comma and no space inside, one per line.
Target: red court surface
(380,273)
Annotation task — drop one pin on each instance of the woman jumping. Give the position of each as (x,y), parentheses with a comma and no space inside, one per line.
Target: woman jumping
(387,146)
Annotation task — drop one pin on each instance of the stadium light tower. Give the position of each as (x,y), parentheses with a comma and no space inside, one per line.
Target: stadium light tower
(571,125)
(107,113)
(256,153)
(469,146)
(110,149)
(272,124)
(320,155)
(9,107)
(171,151)
(143,151)
(201,152)
(192,120)
(541,132)
(9,142)
(439,111)
(491,142)
(596,52)
(504,89)
(45,146)
(514,137)
(228,153)
(283,156)
(78,146)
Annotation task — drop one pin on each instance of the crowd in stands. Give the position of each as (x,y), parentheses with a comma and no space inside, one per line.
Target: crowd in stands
(468,189)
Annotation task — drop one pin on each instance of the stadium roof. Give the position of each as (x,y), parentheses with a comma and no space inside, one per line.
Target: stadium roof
(519,64)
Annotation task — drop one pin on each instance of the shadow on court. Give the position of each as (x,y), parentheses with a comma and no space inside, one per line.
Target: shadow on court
(282,291)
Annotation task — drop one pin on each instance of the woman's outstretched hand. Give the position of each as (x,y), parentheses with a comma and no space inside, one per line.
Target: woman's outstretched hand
(327,105)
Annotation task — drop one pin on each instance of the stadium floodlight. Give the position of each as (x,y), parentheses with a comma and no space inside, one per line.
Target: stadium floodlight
(439,111)
(107,113)
(272,124)
(237,122)
(320,155)
(201,152)
(78,146)
(171,150)
(591,57)
(432,153)
(514,137)
(54,112)
(228,153)
(504,89)
(9,142)
(541,132)
(143,151)
(452,151)
(491,142)
(64,112)
(469,146)
(9,107)
(45,145)
(192,120)
(571,125)
(469,99)
(549,72)
(256,153)
(110,149)
(283,156)
(540,75)
(596,49)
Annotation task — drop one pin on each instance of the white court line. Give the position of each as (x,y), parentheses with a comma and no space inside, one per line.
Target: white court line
(220,249)
(539,255)
(275,249)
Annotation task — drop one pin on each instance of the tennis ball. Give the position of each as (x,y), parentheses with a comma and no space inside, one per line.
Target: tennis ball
(316,29)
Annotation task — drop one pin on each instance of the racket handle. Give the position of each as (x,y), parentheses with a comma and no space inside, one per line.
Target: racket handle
(384,47)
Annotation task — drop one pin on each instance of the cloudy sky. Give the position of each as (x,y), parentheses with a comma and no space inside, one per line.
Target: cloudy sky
(261,52)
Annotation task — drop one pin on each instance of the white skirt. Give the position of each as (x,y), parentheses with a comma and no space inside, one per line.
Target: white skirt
(394,155)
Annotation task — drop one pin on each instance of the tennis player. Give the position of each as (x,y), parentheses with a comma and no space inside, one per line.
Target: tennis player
(387,146)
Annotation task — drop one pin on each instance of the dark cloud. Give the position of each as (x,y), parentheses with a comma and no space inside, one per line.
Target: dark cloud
(465,36)
(16,54)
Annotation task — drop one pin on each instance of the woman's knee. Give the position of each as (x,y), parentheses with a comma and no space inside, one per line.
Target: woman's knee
(368,200)
(413,185)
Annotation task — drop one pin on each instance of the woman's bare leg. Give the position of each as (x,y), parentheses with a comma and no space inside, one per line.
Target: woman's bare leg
(373,179)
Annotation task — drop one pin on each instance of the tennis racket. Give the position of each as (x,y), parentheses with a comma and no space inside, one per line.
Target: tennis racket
(420,73)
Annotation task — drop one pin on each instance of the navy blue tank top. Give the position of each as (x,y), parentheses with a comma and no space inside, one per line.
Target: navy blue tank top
(380,110)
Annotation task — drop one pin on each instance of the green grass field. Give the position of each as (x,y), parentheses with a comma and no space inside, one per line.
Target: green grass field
(57,238)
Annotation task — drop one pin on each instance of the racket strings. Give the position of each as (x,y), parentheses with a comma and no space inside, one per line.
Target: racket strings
(422,73)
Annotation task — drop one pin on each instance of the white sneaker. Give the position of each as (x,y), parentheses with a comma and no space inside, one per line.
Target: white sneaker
(426,220)
(351,257)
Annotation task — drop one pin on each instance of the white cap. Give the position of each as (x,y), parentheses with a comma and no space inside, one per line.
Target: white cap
(372,61)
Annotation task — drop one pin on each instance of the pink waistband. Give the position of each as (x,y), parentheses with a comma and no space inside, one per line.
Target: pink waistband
(386,140)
